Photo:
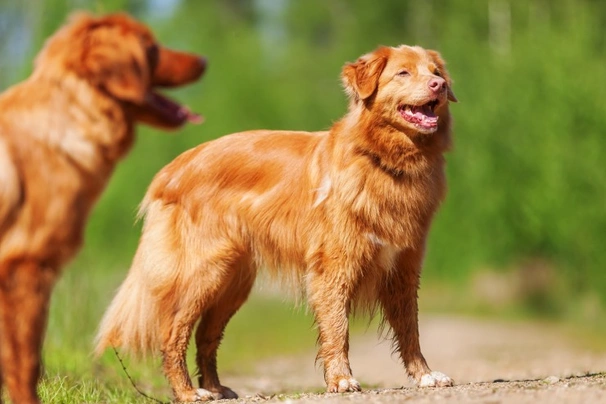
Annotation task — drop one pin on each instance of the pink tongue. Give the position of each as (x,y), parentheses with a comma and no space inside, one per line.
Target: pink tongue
(192,117)
(421,115)
(185,113)
(170,107)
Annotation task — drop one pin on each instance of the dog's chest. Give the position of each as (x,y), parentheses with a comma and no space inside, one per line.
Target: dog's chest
(391,213)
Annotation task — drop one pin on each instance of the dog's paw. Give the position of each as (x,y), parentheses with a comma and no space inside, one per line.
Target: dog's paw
(226,393)
(194,396)
(220,393)
(435,379)
(203,395)
(344,385)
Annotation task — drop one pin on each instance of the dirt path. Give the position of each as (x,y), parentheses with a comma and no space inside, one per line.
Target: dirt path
(490,362)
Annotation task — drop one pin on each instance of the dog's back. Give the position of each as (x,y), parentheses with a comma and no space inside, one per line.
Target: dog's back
(240,189)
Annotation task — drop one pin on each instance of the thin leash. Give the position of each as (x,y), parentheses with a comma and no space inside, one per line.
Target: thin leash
(133,382)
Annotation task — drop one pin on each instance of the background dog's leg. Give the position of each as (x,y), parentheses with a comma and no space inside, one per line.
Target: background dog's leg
(329,295)
(400,309)
(25,289)
(210,333)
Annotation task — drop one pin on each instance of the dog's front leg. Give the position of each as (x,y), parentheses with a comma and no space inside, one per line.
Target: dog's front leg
(400,309)
(329,293)
(25,288)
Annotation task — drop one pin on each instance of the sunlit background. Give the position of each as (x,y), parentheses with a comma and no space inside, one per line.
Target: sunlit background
(522,231)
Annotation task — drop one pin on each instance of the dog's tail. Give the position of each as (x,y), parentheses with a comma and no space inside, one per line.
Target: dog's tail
(134,317)
(129,322)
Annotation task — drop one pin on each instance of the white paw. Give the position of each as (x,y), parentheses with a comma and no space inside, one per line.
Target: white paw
(204,395)
(435,379)
(345,385)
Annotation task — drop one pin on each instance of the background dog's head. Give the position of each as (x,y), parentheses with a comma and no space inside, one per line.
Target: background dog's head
(121,57)
(410,85)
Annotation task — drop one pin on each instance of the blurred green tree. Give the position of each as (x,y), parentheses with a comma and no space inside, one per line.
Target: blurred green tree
(527,181)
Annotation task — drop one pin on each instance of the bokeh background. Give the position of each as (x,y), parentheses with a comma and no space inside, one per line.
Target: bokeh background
(523,229)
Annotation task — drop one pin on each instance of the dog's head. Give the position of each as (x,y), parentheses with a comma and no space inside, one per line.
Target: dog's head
(410,85)
(121,57)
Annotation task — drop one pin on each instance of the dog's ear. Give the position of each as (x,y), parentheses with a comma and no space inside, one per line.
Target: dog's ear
(113,57)
(361,78)
(437,59)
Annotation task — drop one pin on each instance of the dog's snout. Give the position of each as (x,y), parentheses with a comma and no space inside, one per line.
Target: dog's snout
(437,84)
(178,68)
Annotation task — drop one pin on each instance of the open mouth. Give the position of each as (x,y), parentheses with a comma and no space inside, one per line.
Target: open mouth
(169,111)
(422,116)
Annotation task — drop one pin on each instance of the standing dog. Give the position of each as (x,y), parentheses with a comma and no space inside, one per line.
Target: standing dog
(345,213)
(62,131)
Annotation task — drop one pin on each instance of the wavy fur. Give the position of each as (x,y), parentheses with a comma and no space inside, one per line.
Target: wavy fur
(344,214)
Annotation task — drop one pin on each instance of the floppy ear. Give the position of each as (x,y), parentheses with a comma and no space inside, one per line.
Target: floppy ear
(114,59)
(451,96)
(362,77)
(437,59)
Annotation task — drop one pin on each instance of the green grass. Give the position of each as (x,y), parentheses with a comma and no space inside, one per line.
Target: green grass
(71,389)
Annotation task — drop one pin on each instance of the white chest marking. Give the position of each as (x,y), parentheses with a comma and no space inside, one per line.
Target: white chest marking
(323,191)
(387,252)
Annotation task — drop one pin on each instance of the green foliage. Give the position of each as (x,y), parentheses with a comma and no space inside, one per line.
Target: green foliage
(526,179)
(527,183)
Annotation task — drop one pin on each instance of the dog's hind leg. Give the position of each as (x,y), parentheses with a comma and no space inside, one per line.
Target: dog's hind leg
(195,293)
(211,327)
(25,289)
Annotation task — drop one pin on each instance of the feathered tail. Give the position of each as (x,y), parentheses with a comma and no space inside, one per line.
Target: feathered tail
(133,319)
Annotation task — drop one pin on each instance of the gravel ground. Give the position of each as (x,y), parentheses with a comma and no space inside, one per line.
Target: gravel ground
(491,362)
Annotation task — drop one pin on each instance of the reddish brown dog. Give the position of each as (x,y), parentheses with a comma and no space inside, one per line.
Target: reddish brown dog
(343,213)
(62,131)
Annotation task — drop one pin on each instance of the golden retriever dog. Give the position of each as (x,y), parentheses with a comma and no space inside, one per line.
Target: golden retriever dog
(62,131)
(344,214)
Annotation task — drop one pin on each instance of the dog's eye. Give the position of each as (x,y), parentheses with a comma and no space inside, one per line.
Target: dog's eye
(403,73)
(437,73)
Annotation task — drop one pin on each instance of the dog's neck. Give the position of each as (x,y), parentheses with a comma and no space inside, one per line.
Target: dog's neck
(72,117)
(395,150)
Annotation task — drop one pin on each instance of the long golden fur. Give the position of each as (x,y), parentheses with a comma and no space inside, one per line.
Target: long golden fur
(343,213)
(62,131)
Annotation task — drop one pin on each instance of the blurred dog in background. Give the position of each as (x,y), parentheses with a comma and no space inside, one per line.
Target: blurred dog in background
(343,213)
(62,131)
